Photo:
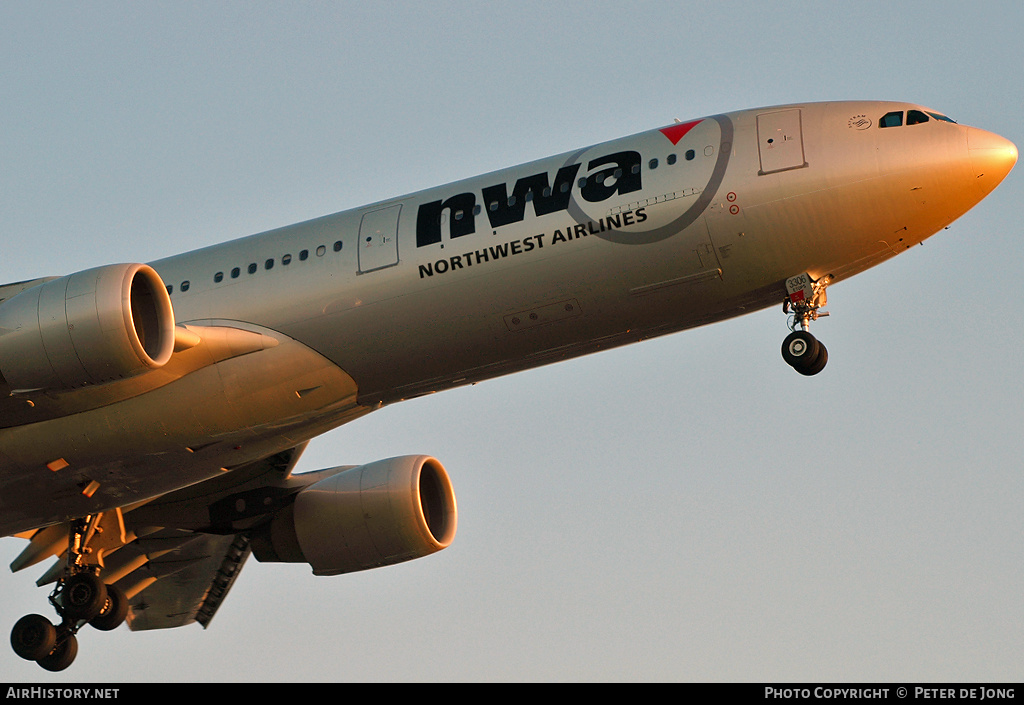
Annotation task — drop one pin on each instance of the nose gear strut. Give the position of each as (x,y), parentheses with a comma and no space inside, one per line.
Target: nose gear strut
(801,350)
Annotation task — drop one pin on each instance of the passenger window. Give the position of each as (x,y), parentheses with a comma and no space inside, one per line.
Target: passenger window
(321,250)
(235,272)
(690,154)
(337,246)
(304,255)
(269,264)
(286,259)
(671,159)
(653,164)
(170,288)
(185,285)
(916,117)
(253,268)
(892,119)
(218,277)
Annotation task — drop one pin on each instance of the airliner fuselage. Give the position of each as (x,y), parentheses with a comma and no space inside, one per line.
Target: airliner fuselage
(487,276)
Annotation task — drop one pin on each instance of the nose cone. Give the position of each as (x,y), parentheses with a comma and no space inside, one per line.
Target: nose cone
(992,157)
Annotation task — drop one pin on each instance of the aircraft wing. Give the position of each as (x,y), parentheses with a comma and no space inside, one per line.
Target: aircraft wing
(177,557)
(14,288)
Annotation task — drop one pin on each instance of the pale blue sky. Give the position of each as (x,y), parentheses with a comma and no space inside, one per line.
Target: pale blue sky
(684,509)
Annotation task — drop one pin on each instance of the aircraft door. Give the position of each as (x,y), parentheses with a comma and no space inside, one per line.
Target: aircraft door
(378,239)
(780,142)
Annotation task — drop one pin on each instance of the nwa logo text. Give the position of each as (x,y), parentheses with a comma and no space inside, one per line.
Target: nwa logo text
(615,173)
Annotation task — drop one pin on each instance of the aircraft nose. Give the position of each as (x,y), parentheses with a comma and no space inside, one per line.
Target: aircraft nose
(991,156)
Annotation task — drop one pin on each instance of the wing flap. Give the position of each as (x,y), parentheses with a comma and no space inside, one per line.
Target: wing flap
(185,584)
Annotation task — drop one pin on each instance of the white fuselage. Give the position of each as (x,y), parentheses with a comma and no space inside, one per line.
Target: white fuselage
(642,236)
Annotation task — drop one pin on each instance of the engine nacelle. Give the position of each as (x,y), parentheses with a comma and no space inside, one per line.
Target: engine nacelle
(368,516)
(90,327)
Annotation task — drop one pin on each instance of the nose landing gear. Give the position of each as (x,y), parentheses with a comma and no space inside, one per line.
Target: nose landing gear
(801,350)
(80,598)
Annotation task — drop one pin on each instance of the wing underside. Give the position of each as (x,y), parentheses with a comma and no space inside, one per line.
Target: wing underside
(174,558)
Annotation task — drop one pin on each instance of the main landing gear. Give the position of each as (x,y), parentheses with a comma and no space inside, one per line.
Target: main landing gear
(80,598)
(801,350)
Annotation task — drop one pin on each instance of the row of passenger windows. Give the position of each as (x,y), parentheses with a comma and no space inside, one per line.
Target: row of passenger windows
(617,174)
(914,117)
(671,159)
(322,249)
(254,267)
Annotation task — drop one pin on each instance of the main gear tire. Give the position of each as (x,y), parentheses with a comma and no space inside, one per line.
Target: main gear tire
(33,637)
(83,597)
(114,611)
(62,655)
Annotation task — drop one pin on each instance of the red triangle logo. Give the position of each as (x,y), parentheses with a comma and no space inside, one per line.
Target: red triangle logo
(678,131)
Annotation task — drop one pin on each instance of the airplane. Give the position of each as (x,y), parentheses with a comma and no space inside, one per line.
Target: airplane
(152,414)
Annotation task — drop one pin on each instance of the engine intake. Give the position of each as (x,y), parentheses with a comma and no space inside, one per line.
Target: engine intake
(365,517)
(90,327)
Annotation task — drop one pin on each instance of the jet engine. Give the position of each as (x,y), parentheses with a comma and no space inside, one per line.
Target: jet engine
(364,517)
(90,327)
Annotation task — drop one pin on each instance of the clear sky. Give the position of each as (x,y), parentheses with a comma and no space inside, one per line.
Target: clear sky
(688,508)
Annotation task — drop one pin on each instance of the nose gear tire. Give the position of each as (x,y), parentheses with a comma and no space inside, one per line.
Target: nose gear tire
(804,353)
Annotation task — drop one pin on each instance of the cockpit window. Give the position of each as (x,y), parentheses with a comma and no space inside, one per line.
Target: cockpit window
(892,119)
(916,117)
